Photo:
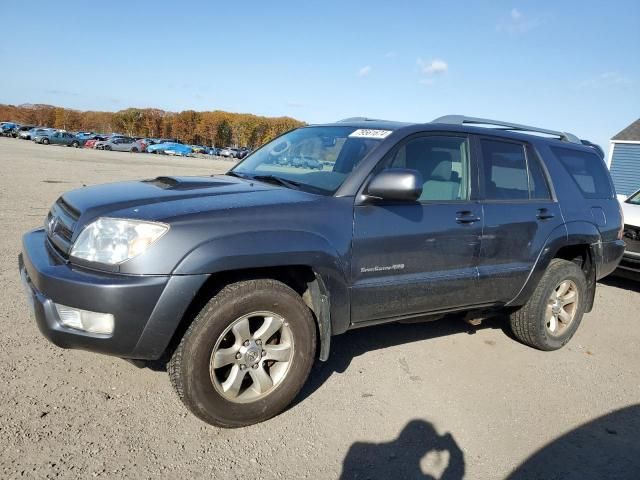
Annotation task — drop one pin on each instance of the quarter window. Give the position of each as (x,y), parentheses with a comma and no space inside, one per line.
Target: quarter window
(587,170)
(443,162)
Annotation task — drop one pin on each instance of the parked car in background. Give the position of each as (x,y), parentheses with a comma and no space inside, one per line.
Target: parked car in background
(199,149)
(170,148)
(242,152)
(227,152)
(631,259)
(22,132)
(143,143)
(91,142)
(7,127)
(34,132)
(58,138)
(119,144)
(178,149)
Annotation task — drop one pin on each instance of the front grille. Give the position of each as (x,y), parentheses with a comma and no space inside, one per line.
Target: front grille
(60,224)
(631,237)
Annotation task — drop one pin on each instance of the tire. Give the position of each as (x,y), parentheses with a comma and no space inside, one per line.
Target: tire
(45,141)
(107,147)
(189,366)
(532,325)
(75,144)
(134,150)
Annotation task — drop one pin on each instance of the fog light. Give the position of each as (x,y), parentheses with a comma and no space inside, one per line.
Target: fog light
(84,320)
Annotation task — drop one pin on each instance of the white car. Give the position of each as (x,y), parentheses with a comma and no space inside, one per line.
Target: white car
(631,208)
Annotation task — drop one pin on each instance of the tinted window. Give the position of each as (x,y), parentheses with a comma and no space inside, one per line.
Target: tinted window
(587,170)
(537,178)
(443,163)
(505,171)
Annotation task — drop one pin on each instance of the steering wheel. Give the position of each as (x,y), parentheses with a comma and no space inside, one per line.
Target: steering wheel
(284,145)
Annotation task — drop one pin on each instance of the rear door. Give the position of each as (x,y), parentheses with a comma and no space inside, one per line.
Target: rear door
(410,258)
(519,214)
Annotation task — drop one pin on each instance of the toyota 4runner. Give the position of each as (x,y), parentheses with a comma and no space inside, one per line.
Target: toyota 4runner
(240,280)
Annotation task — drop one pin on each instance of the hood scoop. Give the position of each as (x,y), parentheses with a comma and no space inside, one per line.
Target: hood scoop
(186,183)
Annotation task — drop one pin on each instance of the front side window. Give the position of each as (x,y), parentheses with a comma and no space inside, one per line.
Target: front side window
(443,163)
(317,159)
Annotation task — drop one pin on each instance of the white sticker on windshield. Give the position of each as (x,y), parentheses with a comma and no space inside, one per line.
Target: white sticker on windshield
(368,133)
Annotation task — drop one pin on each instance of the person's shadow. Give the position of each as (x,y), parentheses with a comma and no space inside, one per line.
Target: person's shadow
(400,458)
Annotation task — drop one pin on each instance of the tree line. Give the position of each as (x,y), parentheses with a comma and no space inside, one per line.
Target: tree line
(211,128)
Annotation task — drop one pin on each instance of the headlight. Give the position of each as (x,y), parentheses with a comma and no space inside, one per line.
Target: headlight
(113,240)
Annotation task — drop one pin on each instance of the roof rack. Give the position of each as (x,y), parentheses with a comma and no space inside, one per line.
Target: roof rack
(359,119)
(461,119)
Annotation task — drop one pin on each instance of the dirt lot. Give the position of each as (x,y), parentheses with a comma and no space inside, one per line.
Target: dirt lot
(396,401)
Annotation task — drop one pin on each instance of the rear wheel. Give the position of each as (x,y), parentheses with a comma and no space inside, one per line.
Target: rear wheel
(75,144)
(553,313)
(134,150)
(246,355)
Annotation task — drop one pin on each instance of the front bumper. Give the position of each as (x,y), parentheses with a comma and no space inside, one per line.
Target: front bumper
(147,309)
(630,262)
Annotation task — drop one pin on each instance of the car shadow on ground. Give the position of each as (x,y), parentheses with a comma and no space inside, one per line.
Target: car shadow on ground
(346,347)
(604,448)
(623,280)
(401,458)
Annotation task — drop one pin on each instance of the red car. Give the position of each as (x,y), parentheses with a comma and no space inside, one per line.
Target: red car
(91,143)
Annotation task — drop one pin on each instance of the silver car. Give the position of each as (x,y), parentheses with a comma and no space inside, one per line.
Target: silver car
(119,144)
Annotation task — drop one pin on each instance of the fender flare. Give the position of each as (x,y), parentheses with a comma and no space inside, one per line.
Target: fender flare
(575,233)
(329,292)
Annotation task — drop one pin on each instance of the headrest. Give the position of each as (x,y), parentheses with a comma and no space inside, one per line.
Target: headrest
(443,166)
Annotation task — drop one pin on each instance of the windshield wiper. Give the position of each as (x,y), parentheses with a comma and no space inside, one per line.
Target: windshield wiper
(231,173)
(278,180)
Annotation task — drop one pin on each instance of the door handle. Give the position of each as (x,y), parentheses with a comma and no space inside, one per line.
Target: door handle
(466,216)
(544,214)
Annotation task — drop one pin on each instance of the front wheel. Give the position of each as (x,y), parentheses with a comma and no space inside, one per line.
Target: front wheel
(554,311)
(75,144)
(107,147)
(45,141)
(246,355)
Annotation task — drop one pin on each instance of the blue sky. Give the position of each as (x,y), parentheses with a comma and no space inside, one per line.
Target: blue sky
(571,65)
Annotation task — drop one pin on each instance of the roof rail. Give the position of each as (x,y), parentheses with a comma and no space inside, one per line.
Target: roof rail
(359,119)
(461,119)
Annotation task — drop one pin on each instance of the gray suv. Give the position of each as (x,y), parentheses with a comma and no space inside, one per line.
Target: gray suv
(240,280)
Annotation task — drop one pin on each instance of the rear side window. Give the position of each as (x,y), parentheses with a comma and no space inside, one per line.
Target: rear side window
(587,170)
(505,171)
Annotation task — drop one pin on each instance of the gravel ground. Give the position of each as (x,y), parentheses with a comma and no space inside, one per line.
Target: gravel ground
(396,401)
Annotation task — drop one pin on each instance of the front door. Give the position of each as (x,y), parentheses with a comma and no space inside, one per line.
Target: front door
(419,257)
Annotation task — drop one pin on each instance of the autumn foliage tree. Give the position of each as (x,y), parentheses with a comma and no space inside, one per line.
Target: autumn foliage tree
(215,128)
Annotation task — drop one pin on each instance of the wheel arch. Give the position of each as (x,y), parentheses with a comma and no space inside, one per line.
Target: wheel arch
(580,244)
(303,279)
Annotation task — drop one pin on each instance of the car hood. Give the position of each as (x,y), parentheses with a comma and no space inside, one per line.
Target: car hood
(168,198)
(631,214)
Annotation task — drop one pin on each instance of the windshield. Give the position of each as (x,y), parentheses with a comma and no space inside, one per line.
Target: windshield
(635,198)
(317,159)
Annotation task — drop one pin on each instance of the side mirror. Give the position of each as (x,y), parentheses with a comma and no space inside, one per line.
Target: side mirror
(399,184)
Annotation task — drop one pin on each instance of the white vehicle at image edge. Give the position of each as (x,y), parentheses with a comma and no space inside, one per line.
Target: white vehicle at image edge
(631,209)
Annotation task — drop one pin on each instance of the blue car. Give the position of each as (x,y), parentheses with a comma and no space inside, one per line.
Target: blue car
(170,148)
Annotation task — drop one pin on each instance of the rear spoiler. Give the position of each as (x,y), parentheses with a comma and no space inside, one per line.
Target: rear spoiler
(597,148)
